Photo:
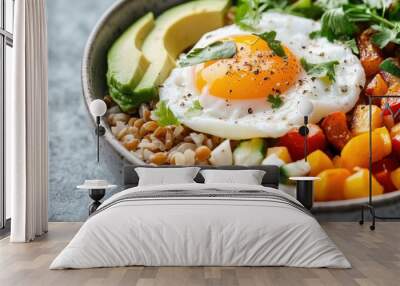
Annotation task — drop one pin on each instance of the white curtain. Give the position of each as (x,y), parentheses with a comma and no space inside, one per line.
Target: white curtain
(26,127)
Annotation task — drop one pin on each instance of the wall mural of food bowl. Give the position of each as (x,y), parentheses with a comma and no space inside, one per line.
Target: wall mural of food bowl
(209,82)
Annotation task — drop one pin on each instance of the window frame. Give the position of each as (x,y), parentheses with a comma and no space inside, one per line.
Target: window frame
(6,39)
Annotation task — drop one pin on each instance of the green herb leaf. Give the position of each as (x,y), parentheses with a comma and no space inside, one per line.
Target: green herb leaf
(394,11)
(322,70)
(353,46)
(385,35)
(195,109)
(273,44)
(330,4)
(214,51)
(336,25)
(275,100)
(390,66)
(366,13)
(164,115)
(248,12)
(305,8)
(358,12)
(378,4)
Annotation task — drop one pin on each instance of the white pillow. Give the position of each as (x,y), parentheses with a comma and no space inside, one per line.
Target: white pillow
(166,176)
(248,177)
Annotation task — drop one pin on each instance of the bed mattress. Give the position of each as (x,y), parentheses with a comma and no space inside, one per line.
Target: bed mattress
(201,225)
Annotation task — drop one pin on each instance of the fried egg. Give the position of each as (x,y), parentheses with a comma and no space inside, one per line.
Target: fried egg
(229,98)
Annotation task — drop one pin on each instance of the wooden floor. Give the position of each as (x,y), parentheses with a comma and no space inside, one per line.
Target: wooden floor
(375,257)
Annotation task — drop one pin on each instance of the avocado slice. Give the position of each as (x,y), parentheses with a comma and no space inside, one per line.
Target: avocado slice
(176,30)
(126,63)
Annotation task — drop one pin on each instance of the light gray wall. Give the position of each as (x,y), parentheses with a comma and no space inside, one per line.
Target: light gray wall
(71,141)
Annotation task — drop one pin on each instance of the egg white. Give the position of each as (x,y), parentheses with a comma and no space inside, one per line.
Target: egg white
(244,119)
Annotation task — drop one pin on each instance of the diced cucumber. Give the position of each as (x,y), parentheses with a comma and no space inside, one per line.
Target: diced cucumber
(249,152)
(274,160)
(222,155)
(295,169)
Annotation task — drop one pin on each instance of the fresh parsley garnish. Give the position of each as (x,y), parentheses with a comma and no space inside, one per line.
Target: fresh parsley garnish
(195,109)
(164,115)
(305,8)
(330,4)
(324,71)
(391,67)
(353,46)
(335,25)
(385,35)
(274,45)
(367,13)
(275,100)
(248,12)
(214,51)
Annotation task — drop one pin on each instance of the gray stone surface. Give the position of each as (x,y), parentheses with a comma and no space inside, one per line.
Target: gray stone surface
(72,141)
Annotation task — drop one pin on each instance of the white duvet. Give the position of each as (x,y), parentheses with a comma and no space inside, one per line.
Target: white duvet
(201,231)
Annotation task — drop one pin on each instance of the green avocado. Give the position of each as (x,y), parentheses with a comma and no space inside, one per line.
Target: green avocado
(176,30)
(126,63)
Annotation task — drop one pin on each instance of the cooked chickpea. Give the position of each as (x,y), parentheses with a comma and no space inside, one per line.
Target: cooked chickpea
(202,153)
(131,121)
(138,123)
(159,158)
(160,132)
(169,139)
(122,133)
(130,142)
(123,117)
(177,159)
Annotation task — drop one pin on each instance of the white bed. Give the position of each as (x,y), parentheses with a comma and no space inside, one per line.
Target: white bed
(248,226)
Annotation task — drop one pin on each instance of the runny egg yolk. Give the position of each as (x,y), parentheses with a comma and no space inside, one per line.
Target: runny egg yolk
(254,72)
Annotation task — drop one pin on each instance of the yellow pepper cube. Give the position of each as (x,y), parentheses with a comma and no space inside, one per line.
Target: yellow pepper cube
(357,185)
(395,176)
(330,187)
(282,153)
(356,152)
(360,122)
(319,162)
(384,134)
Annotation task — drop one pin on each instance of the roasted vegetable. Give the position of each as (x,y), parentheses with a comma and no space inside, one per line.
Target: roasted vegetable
(377,86)
(396,146)
(294,141)
(370,55)
(382,172)
(337,162)
(357,185)
(395,135)
(330,187)
(395,176)
(336,130)
(356,152)
(319,162)
(360,122)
